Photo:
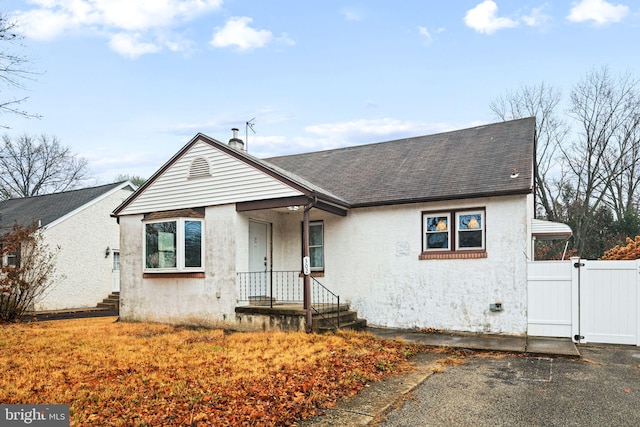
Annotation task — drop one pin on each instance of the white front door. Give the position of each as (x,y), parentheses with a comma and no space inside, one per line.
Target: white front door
(115,272)
(258,257)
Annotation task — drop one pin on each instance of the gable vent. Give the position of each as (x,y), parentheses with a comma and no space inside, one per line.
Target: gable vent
(199,168)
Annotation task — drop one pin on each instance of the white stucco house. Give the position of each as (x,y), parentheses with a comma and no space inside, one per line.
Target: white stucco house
(80,224)
(425,232)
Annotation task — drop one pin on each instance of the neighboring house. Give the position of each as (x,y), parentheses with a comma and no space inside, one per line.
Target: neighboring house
(79,223)
(425,232)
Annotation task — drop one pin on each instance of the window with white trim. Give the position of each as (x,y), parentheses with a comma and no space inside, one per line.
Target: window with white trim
(9,258)
(316,245)
(173,245)
(462,230)
(437,229)
(470,230)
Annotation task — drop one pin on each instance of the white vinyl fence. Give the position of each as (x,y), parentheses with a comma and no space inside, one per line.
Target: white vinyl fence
(589,301)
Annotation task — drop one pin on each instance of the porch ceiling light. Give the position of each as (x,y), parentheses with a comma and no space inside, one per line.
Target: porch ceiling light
(293,208)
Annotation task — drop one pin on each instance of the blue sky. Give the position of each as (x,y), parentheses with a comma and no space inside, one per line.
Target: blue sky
(126,83)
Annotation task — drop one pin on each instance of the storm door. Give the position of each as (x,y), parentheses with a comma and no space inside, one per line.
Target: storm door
(115,271)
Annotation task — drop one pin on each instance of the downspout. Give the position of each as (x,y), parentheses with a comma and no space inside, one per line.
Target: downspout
(306,270)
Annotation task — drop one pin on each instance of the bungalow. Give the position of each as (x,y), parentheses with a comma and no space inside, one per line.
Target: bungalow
(424,232)
(79,223)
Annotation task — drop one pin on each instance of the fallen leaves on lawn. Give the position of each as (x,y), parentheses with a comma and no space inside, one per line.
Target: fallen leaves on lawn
(122,374)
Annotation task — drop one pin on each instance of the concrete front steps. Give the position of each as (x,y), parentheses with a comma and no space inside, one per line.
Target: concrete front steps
(264,313)
(332,317)
(112,302)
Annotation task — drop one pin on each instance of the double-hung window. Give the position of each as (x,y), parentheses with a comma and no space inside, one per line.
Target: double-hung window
(470,230)
(437,229)
(172,245)
(316,245)
(452,231)
(9,258)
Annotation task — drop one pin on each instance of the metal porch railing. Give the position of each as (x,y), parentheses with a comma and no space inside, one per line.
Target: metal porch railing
(267,288)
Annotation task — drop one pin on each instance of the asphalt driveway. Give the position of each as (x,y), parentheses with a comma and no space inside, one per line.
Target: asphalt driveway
(601,389)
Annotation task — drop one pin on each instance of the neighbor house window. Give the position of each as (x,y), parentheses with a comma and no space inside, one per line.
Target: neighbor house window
(173,245)
(10,259)
(462,230)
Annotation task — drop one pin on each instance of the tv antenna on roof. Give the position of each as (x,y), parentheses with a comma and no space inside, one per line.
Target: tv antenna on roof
(248,125)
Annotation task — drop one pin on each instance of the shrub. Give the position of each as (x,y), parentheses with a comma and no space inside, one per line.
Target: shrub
(629,252)
(30,274)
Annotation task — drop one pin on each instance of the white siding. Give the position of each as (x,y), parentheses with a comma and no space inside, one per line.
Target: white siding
(231,181)
(83,270)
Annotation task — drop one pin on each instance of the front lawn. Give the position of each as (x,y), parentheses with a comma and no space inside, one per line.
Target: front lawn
(126,374)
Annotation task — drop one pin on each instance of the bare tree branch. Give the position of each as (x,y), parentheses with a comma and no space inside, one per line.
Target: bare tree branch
(606,111)
(13,68)
(542,103)
(31,166)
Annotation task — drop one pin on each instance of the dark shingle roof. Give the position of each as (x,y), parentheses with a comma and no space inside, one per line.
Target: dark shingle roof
(48,207)
(473,162)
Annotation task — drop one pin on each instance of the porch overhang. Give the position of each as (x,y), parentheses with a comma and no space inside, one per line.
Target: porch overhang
(285,202)
(549,230)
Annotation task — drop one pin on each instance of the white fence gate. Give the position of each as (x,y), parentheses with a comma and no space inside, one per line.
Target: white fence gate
(549,297)
(589,301)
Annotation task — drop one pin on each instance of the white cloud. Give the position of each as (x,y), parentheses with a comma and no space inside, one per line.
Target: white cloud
(425,33)
(483,18)
(42,24)
(344,134)
(123,21)
(146,14)
(373,130)
(285,39)
(601,12)
(237,32)
(537,17)
(131,46)
(106,162)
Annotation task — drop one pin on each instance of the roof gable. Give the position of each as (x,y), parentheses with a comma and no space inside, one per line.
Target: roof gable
(48,209)
(207,172)
(467,163)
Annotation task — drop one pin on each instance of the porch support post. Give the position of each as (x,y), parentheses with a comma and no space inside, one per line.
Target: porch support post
(307,277)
